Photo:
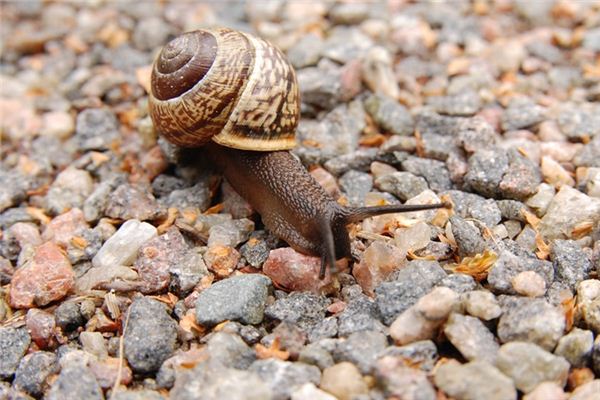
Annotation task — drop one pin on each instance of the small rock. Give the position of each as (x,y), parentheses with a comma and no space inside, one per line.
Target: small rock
(138,395)
(471,337)
(576,347)
(571,263)
(401,381)
(423,354)
(122,247)
(58,124)
(588,302)
(93,343)
(230,351)
(509,265)
(466,103)
(306,52)
(389,115)
(256,249)
(413,238)
(284,376)
(15,188)
(481,304)
(555,174)
(75,383)
(596,355)
(529,365)
(356,185)
(150,33)
(240,298)
(133,202)
(104,276)
(41,325)
(530,320)
(64,227)
(96,129)
(69,190)
(299,308)
(474,380)
(222,260)
(421,321)
(468,238)
(460,283)
(108,370)
(469,205)
(545,391)
(403,185)
(522,113)
(46,277)
(361,349)
(150,336)
(68,316)
(294,271)
(13,345)
(361,313)
(587,391)
(376,264)
(33,371)
(211,381)
(529,283)
(435,172)
(314,354)
(567,210)
(309,391)
(344,381)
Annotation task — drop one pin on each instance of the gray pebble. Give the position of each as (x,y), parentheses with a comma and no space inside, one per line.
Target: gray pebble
(460,283)
(577,122)
(150,33)
(423,354)
(133,202)
(315,354)
(143,394)
(476,133)
(14,188)
(75,383)
(589,155)
(69,190)
(486,170)
(33,371)
(403,185)
(361,349)
(530,320)
(68,316)
(512,209)
(356,185)
(96,129)
(409,285)
(230,351)
(306,52)
(299,308)
(438,147)
(13,215)
(469,205)
(522,113)
(389,115)
(571,263)
(230,233)
(474,380)
(468,238)
(529,365)
(576,347)
(435,172)
(471,337)
(430,122)
(197,196)
(13,345)
(95,203)
(256,249)
(361,313)
(463,104)
(239,298)
(150,336)
(211,381)
(283,376)
(359,160)
(326,328)
(320,86)
(508,265)
(164,184)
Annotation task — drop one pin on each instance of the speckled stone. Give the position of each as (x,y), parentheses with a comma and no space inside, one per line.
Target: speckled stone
(474,380)
(13,345)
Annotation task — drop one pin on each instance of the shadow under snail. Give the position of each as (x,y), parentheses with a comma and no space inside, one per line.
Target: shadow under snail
(237,95)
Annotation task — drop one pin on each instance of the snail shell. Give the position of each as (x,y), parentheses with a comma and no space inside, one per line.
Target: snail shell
(225,85)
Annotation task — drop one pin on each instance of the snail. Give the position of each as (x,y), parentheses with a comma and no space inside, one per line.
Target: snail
(237,95)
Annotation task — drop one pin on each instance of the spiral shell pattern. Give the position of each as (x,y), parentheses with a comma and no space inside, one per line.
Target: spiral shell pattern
(224,85)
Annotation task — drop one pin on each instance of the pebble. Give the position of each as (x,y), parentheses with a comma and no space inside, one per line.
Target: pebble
(528,365)
(359,160)
(309,391)
(571,263)
(138,395)
(587,391)
(222,260)
(303,309)
(150,336)
(361,349)
(46,277)
(73,383)
(531,320)
(596,355)
(522,113)
(577,122)
(196,196)
(14,342)
(460,283)
(167,259)
(107,372)
(320,86)
(409,285)
(389,115)
(256,250)
(6,271)
(413,238)
(211,381)
(95,204)
(239,298)
(100,277)
(33,372)
(435,172)
(68,316)
(376,264)
(402,381)
(344,381)
(315,354)
(422,354)
(588,302)
(63,228)
(41,325)
(355,185)
(96,129)
(508,265)
(464,104)
(567,210)
(294,271)
(284,376)
(471,337)
(474,380)
(361,313)
(230,351)
(230,233)
(133,202)
(58,124)
(306,52)
(529,283)
(555,174)
(403,185)
(467,236)
(576,347)
(422,320)
(69,190)
(150,33)
(122,247)
(469,205)
(546,390)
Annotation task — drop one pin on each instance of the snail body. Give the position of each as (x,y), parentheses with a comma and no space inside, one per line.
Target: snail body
(237,95)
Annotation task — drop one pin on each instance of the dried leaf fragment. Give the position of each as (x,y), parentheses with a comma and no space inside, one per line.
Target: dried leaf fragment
(273,351)
(477,266)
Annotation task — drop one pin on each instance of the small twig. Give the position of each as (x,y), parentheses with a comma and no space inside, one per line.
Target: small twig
(121,357)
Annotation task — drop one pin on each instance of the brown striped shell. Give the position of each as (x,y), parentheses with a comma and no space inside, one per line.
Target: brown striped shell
(224,85)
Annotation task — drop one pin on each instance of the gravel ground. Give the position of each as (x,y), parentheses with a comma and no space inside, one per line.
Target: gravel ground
(129,272)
